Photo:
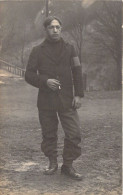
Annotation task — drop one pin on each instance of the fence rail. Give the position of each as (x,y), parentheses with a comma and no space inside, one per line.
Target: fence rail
(12,68)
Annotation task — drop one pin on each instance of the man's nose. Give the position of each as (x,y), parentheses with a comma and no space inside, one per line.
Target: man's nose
(55,29)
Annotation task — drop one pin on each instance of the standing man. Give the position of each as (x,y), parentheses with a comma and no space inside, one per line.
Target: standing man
(55,69)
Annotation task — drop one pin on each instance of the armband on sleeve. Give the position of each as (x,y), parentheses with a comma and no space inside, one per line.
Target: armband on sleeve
(77,77)
(76,62)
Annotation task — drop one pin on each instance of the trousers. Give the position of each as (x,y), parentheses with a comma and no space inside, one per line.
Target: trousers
(70,123)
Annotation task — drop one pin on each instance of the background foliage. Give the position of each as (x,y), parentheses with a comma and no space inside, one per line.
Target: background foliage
(95,31)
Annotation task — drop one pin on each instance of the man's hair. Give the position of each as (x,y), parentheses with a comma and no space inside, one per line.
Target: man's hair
(49,19)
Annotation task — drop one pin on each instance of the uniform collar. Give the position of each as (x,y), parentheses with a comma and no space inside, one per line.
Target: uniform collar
(45,42)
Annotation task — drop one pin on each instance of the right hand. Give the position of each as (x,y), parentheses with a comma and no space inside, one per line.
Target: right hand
(53,84)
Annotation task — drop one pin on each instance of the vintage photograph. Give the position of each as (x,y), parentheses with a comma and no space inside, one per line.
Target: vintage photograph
(61,97)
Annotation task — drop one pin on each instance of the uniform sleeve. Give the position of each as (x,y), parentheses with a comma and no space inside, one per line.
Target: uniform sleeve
(31,75)
(76,73)
(73,52)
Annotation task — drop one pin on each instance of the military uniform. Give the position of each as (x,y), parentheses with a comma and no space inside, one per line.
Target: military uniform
(52,60)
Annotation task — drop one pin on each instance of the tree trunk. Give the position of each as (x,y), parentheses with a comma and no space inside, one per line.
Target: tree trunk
(81,40)
(22,50)
(119,73)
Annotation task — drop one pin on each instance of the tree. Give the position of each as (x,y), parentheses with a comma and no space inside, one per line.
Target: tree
(75,25)
(17,27)
(107,32)
(16,20)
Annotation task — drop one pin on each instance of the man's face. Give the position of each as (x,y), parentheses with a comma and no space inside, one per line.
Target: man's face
(53,31)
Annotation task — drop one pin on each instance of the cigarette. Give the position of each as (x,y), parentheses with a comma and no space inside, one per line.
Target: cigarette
(59,87)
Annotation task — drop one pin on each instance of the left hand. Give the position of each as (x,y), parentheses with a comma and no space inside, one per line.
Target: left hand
(77,101)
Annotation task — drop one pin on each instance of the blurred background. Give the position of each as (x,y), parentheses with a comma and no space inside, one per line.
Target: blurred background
(94,27)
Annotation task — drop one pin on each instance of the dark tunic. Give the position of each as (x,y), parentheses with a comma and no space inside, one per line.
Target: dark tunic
(53,60)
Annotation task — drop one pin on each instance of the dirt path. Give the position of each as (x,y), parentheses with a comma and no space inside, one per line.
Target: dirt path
(22,162)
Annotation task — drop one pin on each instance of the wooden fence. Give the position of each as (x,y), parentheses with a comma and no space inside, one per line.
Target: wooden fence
(12,68)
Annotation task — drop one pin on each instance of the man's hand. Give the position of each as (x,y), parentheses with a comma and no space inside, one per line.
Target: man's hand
(77,101)
(53,84)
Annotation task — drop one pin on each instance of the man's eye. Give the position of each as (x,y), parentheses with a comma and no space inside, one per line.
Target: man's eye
(58,27)
(52,27)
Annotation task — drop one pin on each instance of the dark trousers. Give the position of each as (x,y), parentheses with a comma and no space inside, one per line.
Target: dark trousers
(70,123)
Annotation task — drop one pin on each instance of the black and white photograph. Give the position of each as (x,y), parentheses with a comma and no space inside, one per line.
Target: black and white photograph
(61,97)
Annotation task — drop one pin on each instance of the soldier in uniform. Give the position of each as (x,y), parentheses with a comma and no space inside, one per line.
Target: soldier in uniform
(55,69)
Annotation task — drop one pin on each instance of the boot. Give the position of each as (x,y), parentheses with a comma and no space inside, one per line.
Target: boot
(53,166)
(70,172)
